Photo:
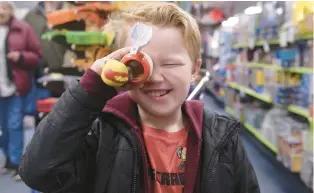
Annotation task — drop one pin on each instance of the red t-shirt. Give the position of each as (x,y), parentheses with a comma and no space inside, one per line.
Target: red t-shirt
(167,156)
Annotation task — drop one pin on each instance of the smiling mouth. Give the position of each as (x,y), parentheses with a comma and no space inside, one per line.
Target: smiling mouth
(157,93)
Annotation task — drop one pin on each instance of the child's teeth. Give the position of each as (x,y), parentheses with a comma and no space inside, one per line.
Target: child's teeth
(156,93)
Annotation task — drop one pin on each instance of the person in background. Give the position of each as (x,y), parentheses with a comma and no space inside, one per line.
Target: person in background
(19,56)
(53,54)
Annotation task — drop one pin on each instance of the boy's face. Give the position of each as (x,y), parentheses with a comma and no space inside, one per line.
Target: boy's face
(167,89)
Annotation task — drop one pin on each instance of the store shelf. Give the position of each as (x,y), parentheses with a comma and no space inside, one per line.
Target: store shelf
(260,137)
(258,43)
(250,92)
(298,37)
(255,132)
(263,97)
(306,36)
(300,70)
(300,111)
(262,65)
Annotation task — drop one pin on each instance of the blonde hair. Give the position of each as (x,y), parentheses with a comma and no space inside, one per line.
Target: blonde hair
(160,14)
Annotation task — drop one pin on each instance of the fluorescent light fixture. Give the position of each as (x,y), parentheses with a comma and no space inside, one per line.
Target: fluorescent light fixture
(230,22)
(279,11)
(214,44)
(253,10)
(233,20)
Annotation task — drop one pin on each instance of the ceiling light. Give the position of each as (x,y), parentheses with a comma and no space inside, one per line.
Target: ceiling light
(230,22)
(253,10)
(279,11)
(214,44)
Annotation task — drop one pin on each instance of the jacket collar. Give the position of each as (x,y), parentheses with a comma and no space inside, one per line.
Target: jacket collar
(124,107)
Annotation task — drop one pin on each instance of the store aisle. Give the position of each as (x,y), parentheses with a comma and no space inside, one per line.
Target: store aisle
(272,178)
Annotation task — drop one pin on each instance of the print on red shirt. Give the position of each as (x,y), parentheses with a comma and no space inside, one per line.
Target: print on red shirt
(167,158)
(181,153)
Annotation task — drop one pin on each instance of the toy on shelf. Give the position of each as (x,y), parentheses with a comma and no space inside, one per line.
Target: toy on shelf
(306,173)
(303,17)
(83,38)
(95,13)
(285,58)
(45,105)
(91,53)
(79,29)
(94,45)
(304,57)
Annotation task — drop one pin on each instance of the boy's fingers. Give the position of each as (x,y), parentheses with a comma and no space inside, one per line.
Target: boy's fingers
(117,55)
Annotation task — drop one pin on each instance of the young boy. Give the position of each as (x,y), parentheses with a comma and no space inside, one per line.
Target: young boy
(148,139)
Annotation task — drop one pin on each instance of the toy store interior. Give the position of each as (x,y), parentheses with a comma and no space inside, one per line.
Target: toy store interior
(259,56)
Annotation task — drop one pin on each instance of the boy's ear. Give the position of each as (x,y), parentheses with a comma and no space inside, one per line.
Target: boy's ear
(196,66)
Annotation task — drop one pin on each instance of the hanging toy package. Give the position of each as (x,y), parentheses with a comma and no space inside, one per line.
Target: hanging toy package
(134,68)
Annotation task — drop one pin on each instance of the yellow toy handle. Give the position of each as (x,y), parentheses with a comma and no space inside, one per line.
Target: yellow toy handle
(115,73)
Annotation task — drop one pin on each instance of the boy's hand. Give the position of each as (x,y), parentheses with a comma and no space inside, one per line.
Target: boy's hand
(117,55)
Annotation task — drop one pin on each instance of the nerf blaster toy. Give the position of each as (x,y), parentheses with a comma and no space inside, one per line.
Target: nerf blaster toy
(93,12)
(83,38)
(90,45)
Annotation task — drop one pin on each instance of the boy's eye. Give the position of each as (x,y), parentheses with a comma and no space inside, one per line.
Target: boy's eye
(171,65)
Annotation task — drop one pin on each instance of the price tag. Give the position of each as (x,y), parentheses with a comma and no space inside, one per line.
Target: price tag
(266,47)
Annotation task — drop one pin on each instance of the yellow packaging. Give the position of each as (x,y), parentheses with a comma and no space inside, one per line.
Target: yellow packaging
(260,77)
(296,163)
(303,16)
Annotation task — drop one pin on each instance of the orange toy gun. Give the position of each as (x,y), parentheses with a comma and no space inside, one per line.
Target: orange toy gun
(93,12)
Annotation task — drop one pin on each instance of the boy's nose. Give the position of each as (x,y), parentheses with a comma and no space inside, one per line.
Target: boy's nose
(157,76)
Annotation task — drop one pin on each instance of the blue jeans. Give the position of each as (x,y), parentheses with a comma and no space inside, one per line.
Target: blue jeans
(11,127)
(31,98)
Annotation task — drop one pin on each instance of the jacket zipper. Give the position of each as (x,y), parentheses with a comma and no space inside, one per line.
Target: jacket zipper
(215,156)
(135,170)
(129,136)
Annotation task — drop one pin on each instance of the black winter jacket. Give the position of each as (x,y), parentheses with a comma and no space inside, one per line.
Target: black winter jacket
(78,148)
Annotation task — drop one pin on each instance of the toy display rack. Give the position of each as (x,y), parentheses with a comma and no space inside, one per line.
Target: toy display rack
(266,98)
(79,29)
(298,37)
(263,97)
